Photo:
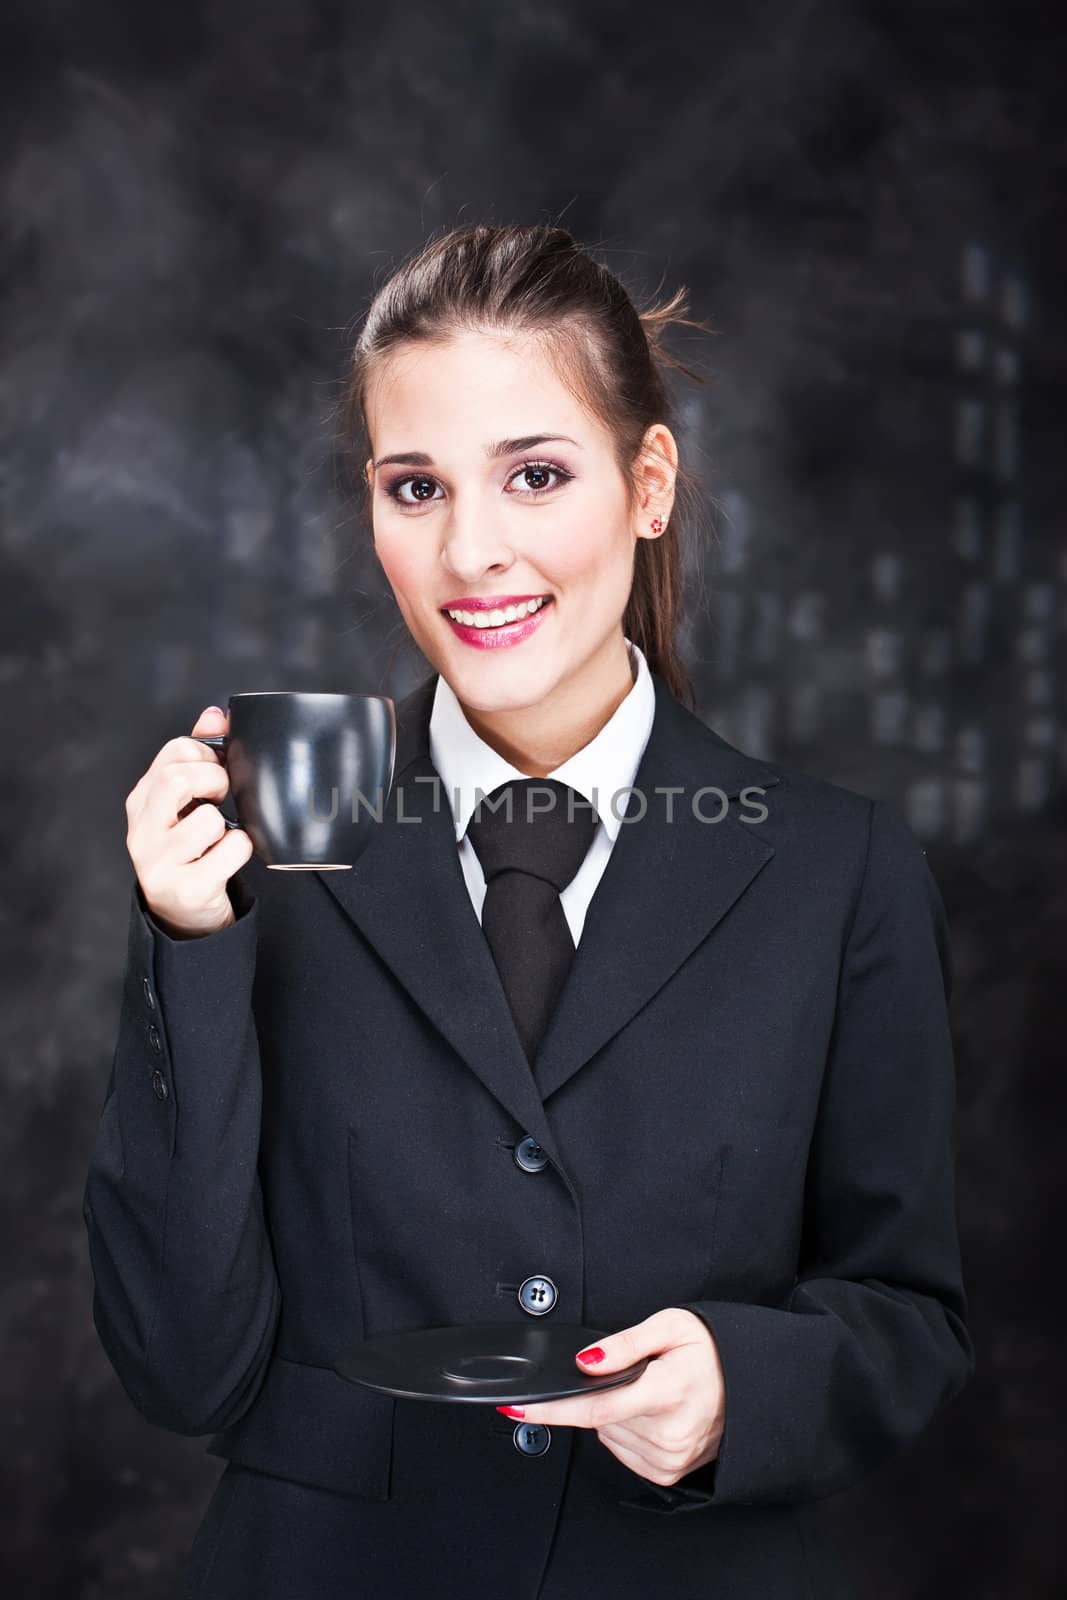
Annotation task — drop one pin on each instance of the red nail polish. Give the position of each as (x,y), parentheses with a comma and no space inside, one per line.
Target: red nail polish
(589,1356)
(512,1411)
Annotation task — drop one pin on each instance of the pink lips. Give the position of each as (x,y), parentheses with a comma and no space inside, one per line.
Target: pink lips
(507,634)
(467,603)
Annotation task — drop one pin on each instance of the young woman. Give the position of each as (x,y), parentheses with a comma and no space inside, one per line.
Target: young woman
(694,1088)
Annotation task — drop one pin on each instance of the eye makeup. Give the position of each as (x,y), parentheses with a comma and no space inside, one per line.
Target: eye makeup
(394,486)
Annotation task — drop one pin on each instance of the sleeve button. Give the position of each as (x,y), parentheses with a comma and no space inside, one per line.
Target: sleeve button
(159,1084)
(154,1039)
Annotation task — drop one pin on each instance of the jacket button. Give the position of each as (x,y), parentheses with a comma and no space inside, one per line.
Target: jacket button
(159,1084)
(532,1438)
(537,1295)
(529,1155)
(149,996)
(154,1039)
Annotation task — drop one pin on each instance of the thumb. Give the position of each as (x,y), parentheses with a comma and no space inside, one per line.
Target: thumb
(652,1337)
(622,1349)
(211,720)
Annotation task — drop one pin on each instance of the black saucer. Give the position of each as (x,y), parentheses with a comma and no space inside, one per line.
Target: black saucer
(491,1362)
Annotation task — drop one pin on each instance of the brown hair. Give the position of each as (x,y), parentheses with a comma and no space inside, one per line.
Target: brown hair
(538,279)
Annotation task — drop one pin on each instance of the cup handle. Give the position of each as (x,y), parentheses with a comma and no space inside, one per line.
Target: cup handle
(217,741)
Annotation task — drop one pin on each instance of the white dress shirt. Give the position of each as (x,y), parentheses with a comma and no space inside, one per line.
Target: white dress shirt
(604,768)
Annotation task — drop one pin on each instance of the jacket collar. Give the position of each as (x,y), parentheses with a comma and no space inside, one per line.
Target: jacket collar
(668,881)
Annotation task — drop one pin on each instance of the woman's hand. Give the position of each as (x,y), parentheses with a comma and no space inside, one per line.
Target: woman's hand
(182,851)
(667,1422)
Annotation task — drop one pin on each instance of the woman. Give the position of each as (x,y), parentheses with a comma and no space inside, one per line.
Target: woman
(713,1117)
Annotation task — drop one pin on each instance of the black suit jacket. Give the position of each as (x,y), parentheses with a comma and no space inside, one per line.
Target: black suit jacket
(747,1107)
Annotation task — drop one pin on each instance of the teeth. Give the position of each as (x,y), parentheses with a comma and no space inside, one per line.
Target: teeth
(494,619)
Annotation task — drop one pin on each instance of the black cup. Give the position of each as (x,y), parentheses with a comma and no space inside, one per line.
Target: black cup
(310,774)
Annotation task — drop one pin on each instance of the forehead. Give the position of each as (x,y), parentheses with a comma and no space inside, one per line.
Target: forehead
(470,384)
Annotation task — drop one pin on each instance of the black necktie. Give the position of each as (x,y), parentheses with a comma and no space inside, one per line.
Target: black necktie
(530,835)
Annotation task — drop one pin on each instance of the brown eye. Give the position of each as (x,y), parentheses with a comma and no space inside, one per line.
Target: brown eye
(544,469)
(418,485)
(423,486)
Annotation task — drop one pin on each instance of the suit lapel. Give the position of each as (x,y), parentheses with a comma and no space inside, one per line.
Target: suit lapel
(666,885)
(407,895)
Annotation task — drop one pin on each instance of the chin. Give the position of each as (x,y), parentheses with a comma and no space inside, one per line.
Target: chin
(489,689)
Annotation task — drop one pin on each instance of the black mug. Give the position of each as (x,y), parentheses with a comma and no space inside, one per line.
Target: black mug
(310,774)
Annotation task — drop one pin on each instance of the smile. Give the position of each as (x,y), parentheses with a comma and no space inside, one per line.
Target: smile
(499,627)
(494,618)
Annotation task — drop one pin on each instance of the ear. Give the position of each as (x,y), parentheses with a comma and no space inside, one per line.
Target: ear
(657,469)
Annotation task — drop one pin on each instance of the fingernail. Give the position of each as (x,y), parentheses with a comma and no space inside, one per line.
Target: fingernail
(215,708)
(590,1356)
(512,1411)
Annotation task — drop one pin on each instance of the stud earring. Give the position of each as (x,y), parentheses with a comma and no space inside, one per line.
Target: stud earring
(657,524)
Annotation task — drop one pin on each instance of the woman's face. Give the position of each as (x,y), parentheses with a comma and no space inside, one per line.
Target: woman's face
(476,510)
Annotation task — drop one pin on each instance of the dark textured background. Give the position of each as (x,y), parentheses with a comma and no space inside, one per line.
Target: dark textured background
(197,202)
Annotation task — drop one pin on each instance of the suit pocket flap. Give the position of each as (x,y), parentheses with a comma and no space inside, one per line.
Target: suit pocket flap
(312,1426)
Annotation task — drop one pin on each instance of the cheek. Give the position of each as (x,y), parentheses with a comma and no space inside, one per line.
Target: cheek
(402,564)
(594,557)
(582,540)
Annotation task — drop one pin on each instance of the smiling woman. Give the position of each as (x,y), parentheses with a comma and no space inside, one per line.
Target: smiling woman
(515,371)
(486,527)
(675,1078)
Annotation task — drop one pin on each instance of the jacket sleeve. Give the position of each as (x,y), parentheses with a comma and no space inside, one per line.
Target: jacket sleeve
(872,1340)
(186,1297)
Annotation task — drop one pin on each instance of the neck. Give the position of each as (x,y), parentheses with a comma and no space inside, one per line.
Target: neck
(539,738)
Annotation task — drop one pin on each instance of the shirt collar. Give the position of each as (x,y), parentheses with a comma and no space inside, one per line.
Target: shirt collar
(602,769)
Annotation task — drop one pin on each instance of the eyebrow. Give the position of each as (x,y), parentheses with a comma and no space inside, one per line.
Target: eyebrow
(503,447)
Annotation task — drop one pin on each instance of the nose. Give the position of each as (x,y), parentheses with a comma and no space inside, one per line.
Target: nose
(474,543)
